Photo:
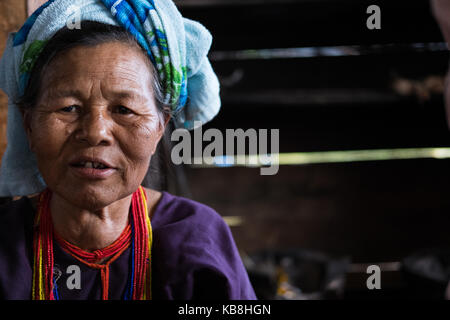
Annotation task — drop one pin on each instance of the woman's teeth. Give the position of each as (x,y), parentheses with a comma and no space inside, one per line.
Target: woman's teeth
(95,165)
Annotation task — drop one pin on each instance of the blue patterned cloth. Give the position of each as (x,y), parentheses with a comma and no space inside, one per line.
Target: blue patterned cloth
(177,47)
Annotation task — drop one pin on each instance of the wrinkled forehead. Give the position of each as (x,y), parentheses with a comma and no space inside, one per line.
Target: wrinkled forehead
(113,63)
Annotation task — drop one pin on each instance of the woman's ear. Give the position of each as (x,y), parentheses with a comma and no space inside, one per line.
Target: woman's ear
(26,119)
(162,128)
(166,120)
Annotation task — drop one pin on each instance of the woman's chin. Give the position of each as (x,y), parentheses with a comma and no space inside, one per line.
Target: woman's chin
(93,196)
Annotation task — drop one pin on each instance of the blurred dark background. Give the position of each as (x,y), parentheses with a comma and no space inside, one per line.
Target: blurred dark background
(313,70)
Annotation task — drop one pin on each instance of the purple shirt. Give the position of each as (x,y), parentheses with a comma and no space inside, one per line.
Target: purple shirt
(193,256)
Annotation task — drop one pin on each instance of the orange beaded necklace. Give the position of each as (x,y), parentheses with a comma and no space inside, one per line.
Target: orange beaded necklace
(138,234)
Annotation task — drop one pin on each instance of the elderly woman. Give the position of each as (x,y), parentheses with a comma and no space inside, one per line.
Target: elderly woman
(87,108)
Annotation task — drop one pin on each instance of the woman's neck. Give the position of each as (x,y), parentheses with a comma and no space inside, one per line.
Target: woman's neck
(89,230)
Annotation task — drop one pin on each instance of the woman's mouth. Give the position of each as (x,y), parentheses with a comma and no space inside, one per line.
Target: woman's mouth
(92,169)
(90,164)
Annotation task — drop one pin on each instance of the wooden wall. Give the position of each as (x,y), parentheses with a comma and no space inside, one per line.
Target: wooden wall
(12,15)
(373,211)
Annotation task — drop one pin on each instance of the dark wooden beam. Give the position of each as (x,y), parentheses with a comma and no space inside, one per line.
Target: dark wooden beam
(314,23)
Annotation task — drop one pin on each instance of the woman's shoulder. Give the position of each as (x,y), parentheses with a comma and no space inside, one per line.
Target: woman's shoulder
(192,231)
(173,209)
(16,218)
(16,209)
(181,223)
(195,253)
(16,225)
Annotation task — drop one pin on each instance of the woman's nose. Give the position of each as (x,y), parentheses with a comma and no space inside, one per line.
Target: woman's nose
(95,127)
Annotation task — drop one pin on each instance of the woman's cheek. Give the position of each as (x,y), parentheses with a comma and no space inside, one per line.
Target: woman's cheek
(146,136)
(49,133)
(141,147)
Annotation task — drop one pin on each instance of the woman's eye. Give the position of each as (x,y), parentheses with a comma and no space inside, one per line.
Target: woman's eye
(123,110)
(69,109)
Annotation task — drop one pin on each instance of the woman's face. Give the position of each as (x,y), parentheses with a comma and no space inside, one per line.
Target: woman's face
(95,106)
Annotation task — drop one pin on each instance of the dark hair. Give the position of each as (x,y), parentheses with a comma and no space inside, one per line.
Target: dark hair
(90,34)
(162,174)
